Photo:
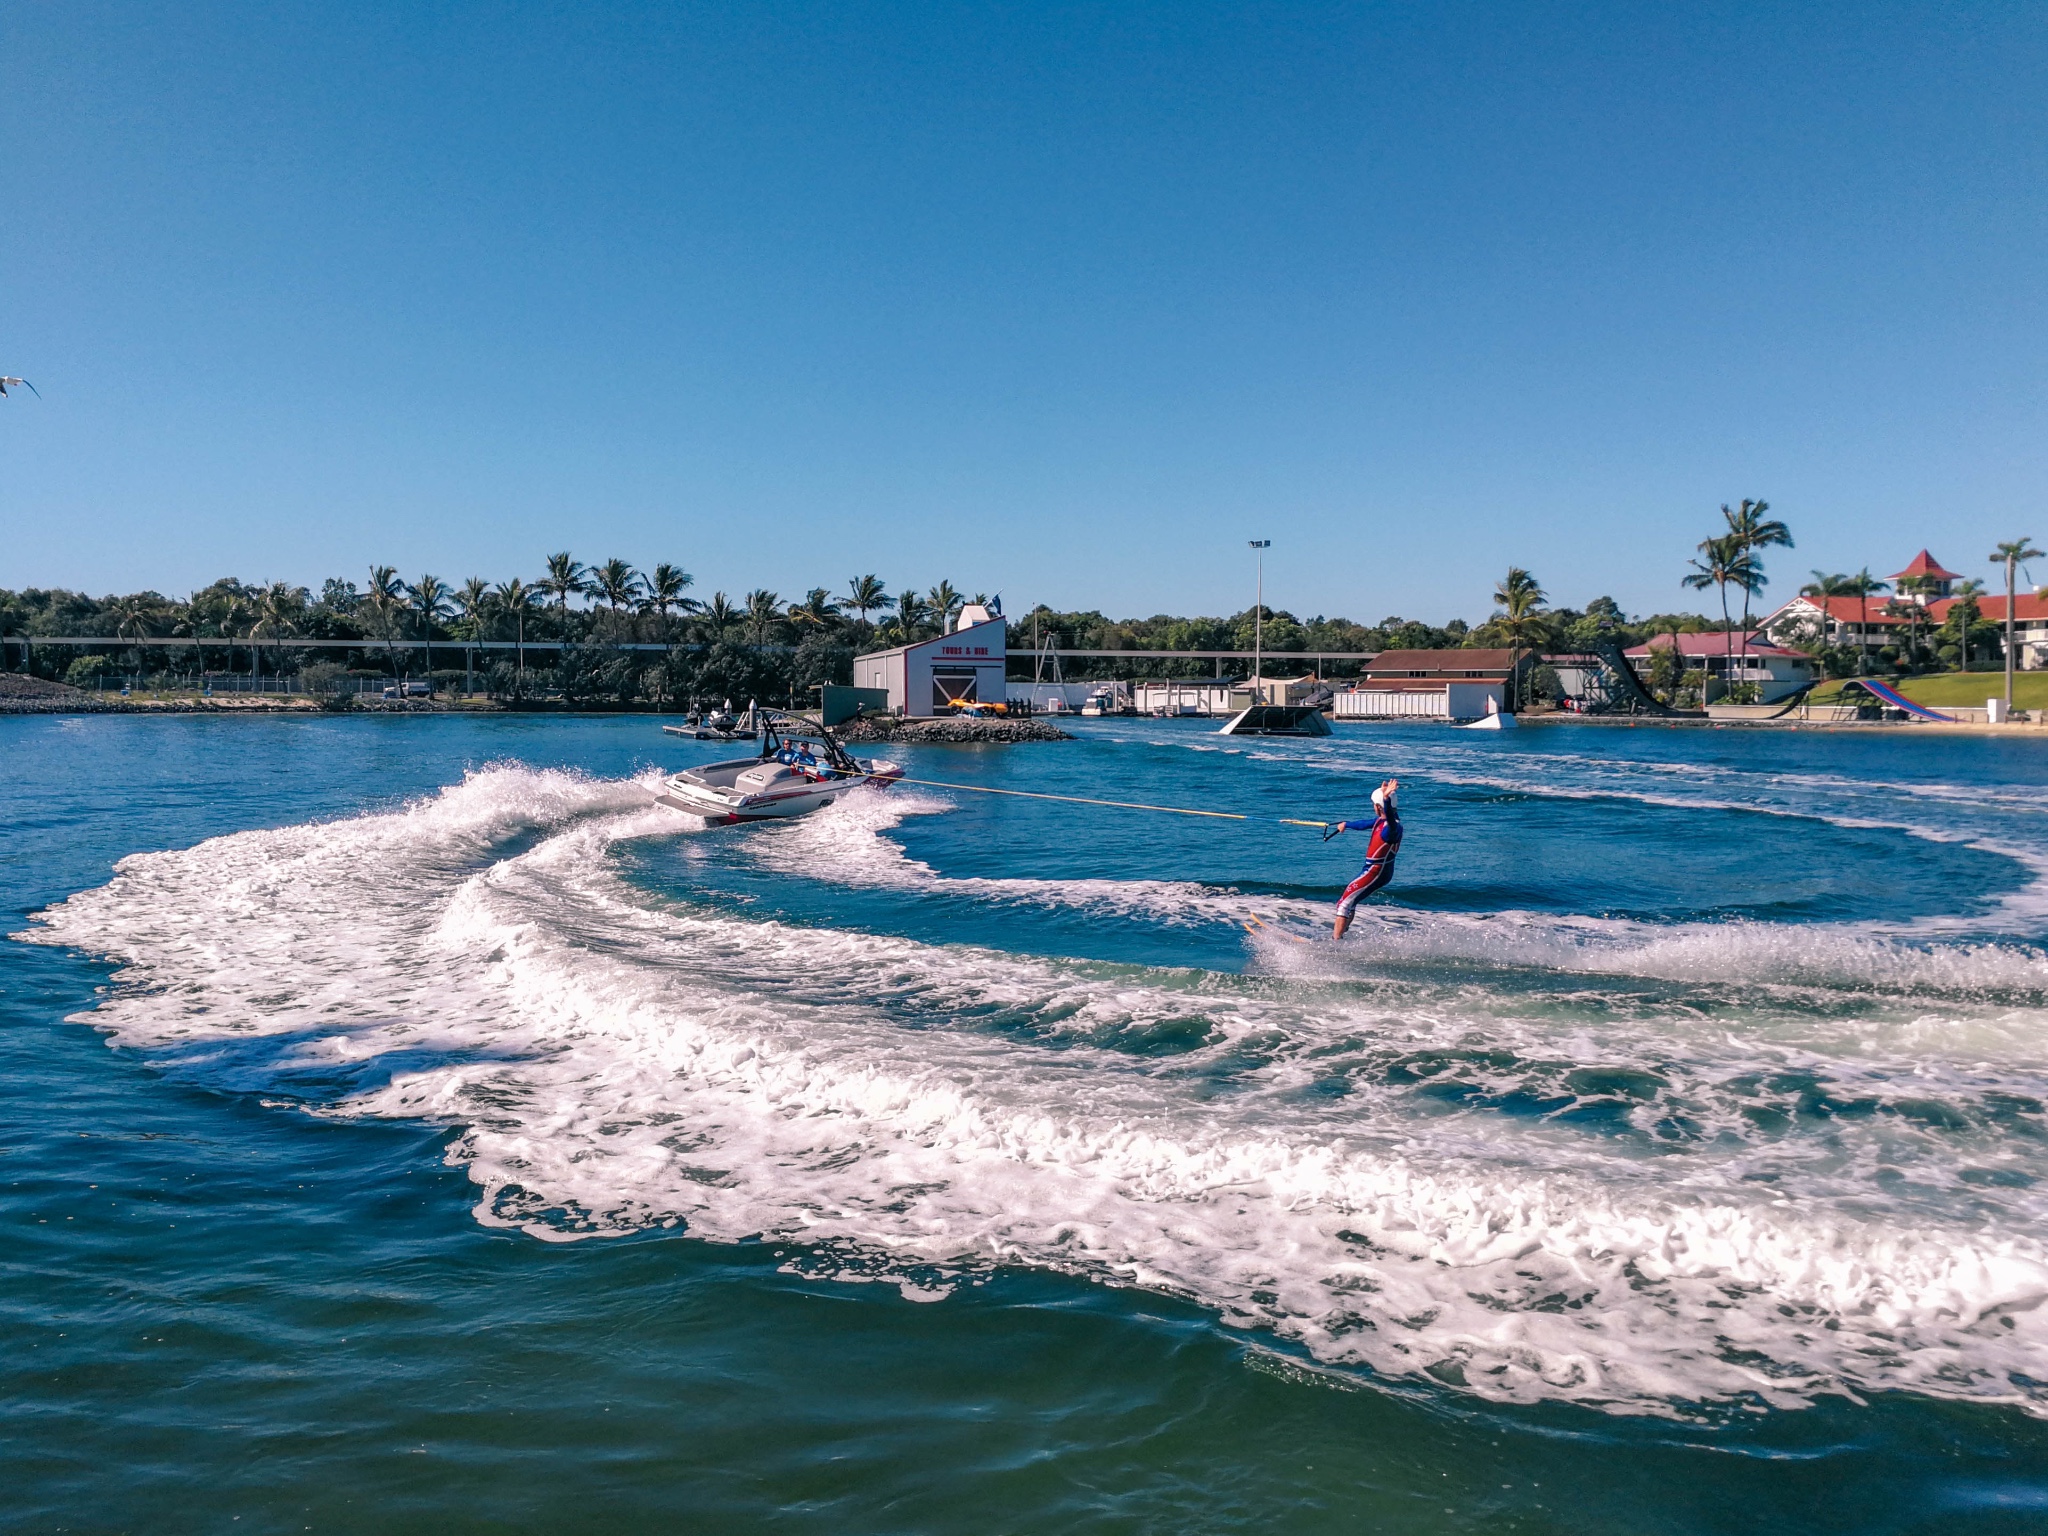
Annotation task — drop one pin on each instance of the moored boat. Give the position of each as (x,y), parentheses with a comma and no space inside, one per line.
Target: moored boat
(1100,704)
(800,767)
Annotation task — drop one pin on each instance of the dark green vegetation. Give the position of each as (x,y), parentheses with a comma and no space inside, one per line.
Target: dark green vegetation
(585,635)
(612,635)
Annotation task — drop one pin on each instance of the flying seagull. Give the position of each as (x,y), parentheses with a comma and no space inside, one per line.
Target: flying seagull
(6,384)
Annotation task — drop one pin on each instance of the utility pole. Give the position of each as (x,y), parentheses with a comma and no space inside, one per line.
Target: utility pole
(1259,623)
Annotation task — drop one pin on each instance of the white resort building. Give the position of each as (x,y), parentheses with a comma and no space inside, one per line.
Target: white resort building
(1924,604)
(2029,627)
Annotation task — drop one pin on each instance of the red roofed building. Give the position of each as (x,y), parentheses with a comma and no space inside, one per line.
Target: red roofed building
(1928,571)
(1732,658)
(1849,621)
(1857,621)
(2029,627)
(1883,620)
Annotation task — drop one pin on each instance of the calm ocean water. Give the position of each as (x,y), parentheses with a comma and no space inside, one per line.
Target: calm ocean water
(408,1128)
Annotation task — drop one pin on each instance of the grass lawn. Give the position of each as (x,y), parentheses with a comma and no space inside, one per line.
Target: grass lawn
(2029,689)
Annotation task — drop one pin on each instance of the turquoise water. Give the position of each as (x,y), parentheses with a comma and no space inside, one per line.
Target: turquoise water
(417,1131)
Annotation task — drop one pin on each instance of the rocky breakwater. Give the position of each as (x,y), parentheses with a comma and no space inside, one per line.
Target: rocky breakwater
(958,728)
(24,695)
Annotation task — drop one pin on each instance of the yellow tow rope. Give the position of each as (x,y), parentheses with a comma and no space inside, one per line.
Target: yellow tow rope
(1119,805)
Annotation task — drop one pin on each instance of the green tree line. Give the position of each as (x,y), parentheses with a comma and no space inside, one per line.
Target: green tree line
(578,618)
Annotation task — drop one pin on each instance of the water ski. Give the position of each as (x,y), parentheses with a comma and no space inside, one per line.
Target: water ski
(1258,928)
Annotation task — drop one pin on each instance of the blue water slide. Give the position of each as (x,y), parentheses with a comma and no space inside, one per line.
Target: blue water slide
(1887,694)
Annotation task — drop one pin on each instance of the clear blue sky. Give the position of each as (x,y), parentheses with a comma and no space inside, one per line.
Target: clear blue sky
(1066,301)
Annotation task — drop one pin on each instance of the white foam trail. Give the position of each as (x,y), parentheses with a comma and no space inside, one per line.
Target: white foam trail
(849,848)
(616,1061)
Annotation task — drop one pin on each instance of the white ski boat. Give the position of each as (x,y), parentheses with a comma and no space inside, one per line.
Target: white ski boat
(799,767)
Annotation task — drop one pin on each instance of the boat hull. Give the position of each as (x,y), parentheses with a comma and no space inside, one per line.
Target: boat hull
(726,807)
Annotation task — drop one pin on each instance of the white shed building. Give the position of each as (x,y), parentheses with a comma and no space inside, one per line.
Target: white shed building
(1191,696)
(937,676)
(1446,701)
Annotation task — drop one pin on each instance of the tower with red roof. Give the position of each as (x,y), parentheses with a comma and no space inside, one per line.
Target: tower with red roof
(1927,569)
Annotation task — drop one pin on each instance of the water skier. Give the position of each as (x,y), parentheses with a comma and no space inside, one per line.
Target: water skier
(1380,849)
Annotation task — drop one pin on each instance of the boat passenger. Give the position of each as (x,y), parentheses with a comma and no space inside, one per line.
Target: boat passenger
(798,755)
(1380,849)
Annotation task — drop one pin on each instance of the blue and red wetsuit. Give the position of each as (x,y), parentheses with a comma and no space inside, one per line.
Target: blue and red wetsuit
(1379,857)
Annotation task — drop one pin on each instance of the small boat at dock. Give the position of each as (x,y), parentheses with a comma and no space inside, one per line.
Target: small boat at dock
(714,725)
(1100,704)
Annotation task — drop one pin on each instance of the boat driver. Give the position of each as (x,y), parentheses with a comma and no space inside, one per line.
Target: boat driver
(798,755)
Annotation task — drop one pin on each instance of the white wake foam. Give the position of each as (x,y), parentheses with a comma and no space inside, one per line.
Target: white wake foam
(1367,1168)
(850,848)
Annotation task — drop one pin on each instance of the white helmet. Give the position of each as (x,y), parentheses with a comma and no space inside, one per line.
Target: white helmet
(1379,798)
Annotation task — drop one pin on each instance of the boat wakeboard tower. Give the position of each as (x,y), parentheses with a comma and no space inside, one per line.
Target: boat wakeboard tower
(800,767)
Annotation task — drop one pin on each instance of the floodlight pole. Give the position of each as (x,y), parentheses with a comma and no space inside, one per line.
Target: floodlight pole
(1259,623)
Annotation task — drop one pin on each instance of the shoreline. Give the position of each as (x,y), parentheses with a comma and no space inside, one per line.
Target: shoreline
(977,731)
(942,731)
(1914,727)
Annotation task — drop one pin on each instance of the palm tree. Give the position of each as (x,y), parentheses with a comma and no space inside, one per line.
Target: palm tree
(1964,609)
(386,600)
(618,584)
(1752,532)
(276,607)
(2012,553)
(665,591)
(1726,564)
(911,615)
(1908,608)
(817,611)
(515,599)
(1866,586)
(184,623)
(473,602)
(132,617)
(864,594)
(232,614)
(764,614)
(565,579)
(1521,603)
(1716,570)
(430,602)
(943,602)
(719,616)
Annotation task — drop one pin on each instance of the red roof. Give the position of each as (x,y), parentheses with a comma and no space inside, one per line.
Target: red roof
(1708,642)
(2026,606)
(1451,665)
(1925,564)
